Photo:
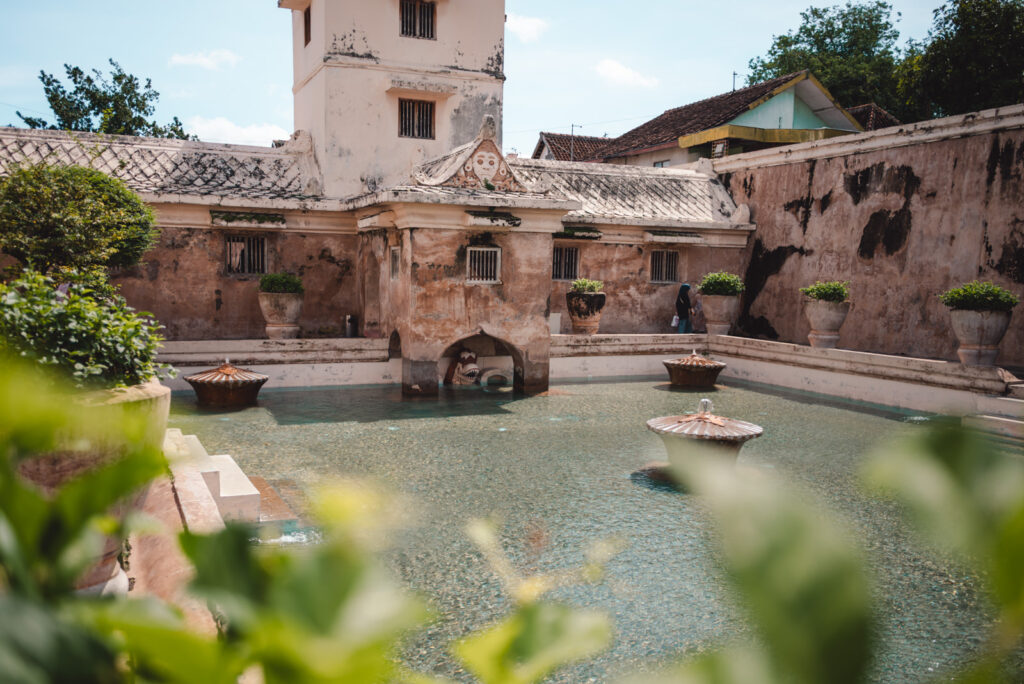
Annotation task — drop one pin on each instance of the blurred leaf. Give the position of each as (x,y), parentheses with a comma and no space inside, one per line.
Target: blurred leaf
(37,648)
(798,574)
(532,642)
(727,666)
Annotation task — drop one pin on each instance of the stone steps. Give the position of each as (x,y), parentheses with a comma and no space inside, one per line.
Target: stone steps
(234,496)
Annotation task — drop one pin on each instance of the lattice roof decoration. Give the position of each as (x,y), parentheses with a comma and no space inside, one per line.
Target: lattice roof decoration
(157,166)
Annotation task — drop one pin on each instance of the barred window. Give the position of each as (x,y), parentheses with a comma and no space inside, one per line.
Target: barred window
(245,255)
(396,255)
(664,266)
(418,19)
(483,265)
(566,263)
(416,119)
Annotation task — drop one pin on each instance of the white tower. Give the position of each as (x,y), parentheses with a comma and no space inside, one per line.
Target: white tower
(382,85)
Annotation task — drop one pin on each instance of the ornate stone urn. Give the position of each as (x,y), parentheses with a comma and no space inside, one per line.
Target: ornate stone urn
(979,334)
(721,312)
(585,311)
(281,311)
(825,318)
(693,371)
(150,403)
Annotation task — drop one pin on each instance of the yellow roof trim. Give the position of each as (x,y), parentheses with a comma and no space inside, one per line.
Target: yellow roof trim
(762,135)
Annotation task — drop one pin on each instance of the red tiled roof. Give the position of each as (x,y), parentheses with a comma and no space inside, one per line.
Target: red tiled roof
(872,117)
(665,130)
(570,147)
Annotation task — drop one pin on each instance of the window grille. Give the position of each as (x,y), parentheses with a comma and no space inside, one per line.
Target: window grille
(484,265)
(416,119)
(307,24)
(664,266)
(246,255)
(418,19)
(395,262)
(566,263)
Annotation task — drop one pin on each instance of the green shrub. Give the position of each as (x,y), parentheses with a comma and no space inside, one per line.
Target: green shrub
(832,291)
(584,285)
(281,283)
(721,283)
(976,296)
(95,342)
(59,218)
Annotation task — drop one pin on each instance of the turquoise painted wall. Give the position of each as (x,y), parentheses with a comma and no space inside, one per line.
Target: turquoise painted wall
(785,110)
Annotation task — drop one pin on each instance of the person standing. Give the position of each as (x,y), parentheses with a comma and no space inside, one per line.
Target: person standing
(683,310)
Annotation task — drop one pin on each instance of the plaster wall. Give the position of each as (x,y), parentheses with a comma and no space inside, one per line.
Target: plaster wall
(349,79)
(635,304)
(902,214)
(182,281)
(673,155)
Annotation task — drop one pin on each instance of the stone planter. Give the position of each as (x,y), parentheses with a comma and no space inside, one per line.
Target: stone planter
(825,318)
(721,312)
(585,311)
(979,333)
(150,403)
(281,311)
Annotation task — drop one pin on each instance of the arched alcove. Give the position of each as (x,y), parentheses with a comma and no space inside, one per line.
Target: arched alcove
(395,345)
(496,359)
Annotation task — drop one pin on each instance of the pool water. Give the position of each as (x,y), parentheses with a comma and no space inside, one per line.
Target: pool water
(556,471)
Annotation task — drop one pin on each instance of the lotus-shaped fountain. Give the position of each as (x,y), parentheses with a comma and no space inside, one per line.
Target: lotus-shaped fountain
(693,371)
(724,436)
(227,386)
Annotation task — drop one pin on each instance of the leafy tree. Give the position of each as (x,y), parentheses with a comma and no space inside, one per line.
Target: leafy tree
(850,49)
(968,62)
(120,105)
(59,218)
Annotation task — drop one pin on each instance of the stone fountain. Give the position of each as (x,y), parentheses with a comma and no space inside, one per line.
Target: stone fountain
(693,371)
(717,434)
(227,386)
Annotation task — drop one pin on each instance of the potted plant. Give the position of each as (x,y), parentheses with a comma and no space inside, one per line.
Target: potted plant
(720,298)
(107,352)
(585,301)
(826,307)
(980,314)
(281,303)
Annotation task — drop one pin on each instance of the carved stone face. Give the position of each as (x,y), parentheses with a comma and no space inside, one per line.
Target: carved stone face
(485,164)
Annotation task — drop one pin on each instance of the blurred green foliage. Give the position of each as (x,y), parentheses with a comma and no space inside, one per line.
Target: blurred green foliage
(329,613)
(585,285)
(281,283)
(94,341)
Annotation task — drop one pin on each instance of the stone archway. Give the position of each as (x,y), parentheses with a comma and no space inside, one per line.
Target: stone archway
(494,357)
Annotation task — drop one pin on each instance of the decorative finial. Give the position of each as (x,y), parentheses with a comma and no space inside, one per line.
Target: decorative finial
(489,129)
(706,406)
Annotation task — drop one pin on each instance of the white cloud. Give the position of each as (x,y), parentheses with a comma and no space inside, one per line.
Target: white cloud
(526,29)
(617,73)
(212,60)
(221,130)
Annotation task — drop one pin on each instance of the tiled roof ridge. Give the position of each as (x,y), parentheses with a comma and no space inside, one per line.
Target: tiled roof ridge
(176,144)
(604,169)
(577,135)
(732,93)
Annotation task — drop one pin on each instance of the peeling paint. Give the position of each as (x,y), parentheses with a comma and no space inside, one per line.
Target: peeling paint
(764,263)
(886,229)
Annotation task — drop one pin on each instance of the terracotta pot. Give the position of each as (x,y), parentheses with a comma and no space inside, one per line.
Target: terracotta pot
(825,318)
(979,333)
(150,403)
(721,312)
(585,311)
(281,311)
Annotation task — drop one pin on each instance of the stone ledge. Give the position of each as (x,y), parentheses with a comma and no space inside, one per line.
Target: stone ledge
(945,374)
(563,346)
(212,353)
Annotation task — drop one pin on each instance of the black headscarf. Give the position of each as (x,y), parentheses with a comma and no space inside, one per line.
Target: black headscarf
(683,301)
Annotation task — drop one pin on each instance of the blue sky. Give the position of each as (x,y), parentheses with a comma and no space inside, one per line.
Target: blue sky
(224,66)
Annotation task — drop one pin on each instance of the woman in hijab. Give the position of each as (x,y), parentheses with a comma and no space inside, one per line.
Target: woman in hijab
(683,310)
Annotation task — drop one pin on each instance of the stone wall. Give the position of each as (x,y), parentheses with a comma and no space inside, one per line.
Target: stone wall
(182,281)
(902,213)
(634,303)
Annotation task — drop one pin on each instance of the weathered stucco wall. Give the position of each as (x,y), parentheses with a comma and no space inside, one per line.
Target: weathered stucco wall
(182,281)
(635,304)
(902,221)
